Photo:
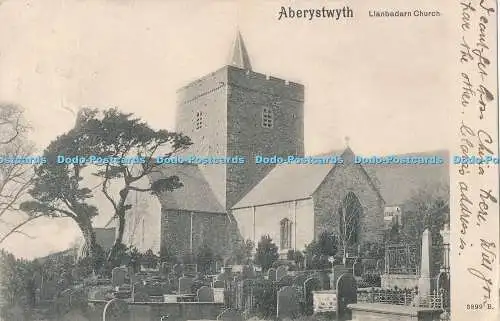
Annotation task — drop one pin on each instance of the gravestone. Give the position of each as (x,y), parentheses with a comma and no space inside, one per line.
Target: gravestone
(100,293)
(118,276)
(287,303)
(310,285)
(140,296)
(380,266)
(177,269)
(218,295)
(338,270)
(205,294)
(248,272)
(286,280)
(281,271)
(424,283)
(347,293)
(116,310)
(75,315)
(185,284)
(230,315)
(299,280)
(357,269)
(219,284)
(271,274)
(165,268)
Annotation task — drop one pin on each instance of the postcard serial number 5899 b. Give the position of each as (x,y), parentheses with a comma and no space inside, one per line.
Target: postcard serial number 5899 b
(480,306)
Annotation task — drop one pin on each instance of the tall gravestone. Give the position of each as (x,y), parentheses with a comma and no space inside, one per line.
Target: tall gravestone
(205,294)
(116,310)
(347,293)
(288,305)
(310,285)
(185,285)
(230,315)
(281,271)
(271,274)
(285,280)
(338,270)
(118,276)
(425,281)
(357,269)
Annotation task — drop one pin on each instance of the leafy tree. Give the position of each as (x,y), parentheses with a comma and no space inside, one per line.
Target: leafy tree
(242,252)
(58,190)
(372,250)
(295,256)
(267,253)
(205,258)
(318,251)
(112,133)
(427,208)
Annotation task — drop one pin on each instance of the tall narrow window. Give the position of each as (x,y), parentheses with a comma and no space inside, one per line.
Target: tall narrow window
(350,212)
(285,234)
(267,117)
(198,120)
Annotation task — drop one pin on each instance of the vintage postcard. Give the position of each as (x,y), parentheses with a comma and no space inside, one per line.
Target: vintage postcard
(249,160)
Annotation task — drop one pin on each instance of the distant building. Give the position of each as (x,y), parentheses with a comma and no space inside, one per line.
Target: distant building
(392,216)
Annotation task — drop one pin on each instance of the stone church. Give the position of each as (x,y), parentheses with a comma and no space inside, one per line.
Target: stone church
(237,112)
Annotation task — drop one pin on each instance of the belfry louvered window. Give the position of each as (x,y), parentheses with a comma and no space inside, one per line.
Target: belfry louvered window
(198,120)
(267,117)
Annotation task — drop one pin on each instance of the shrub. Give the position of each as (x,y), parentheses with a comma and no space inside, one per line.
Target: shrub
(267,253)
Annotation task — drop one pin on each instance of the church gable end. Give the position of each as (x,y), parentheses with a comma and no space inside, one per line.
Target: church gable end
(343,181)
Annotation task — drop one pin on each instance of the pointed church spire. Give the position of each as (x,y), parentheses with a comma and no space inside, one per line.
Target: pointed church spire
(239,56)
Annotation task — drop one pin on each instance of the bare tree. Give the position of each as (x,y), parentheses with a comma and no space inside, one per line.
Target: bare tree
(15,176)
(349,213)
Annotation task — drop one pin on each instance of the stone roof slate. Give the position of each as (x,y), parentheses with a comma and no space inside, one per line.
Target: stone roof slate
(195,194)
(396,183)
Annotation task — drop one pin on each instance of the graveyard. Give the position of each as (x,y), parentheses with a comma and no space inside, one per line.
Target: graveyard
(400,286)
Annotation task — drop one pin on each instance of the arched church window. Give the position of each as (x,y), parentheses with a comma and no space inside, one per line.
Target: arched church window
(285,234)
(267,117)
(349,213)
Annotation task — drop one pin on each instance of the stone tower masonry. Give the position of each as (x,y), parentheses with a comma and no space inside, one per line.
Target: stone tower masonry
(235,111)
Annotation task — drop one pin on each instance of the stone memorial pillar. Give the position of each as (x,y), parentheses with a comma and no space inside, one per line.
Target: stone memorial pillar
(424,283)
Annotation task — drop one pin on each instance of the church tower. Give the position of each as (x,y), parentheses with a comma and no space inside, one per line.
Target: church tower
(236,111)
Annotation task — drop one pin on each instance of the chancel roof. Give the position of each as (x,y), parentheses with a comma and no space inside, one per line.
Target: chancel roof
(195,194)
(396,183)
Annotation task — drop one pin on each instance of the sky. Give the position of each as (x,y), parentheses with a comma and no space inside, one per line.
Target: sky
(384,83)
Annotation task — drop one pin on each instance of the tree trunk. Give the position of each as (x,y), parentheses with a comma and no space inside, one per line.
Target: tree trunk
(90,246)
(118,238)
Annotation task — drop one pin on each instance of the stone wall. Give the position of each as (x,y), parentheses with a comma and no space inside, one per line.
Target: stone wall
(253,223)
(345,178)
(209,96)
(141,226)
(248,93)
(216,230)
(389,312)
(153,311)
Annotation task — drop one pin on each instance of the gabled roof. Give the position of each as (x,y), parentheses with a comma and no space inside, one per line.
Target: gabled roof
(396,183)
(194,195)
(288,182)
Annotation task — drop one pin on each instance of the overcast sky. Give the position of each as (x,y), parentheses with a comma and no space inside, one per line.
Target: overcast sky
(383,82)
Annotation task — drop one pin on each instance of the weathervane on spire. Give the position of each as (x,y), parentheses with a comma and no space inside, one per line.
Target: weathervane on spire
(346,141)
